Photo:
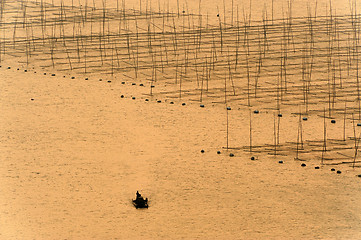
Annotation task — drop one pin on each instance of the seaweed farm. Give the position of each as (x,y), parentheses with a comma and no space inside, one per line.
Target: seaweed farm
(311,61)
(236,121)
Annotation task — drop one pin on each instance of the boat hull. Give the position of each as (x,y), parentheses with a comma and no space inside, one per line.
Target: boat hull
(140,203)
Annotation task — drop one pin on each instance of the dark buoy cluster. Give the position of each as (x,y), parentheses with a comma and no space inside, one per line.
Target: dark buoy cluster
(303,165)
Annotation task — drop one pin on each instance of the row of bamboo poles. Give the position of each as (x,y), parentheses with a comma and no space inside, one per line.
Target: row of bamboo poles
(312,61)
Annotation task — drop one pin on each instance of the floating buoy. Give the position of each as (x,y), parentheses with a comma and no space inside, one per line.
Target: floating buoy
(280,161)
(159,101)
(183,11)
(9,67)
(229,108)
(122,96)
(202,106)
(303,165)
(146,100)
(217,15)
(25,70)
(333,121)
(279,115)
(32,99)
(53,74)
(317,167)
(332,169)
(338,172)
(86,79)
(100,80)
(304,119)
(133,98)
(133,84)
(141,84)
(256,111)
(63,76)
(359,124)
(109,81)
(231,155)
(44,73)
(152,86)
(18,69)
(218,152)
(183,104)
(72,77)
(252,158)
(359,175)
(171,102)
(123,82)
(202,151)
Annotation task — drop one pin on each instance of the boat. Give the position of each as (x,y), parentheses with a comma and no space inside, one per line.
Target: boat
(140,202)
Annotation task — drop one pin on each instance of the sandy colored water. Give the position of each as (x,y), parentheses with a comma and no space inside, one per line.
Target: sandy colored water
(73,158)
(73,153)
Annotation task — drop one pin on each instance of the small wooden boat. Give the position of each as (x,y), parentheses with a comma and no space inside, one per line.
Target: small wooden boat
(140,203)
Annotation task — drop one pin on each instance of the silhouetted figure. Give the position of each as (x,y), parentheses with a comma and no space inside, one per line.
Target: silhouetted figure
(138,195)
(140,202)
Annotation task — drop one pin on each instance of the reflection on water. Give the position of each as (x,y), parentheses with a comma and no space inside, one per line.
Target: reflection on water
(73,154)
